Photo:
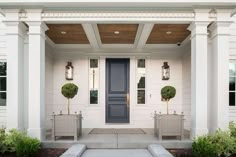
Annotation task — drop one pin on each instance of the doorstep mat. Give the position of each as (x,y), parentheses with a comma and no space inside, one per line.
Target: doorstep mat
(117,131)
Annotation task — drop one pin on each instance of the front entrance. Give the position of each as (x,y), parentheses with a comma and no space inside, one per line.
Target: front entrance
(117,90)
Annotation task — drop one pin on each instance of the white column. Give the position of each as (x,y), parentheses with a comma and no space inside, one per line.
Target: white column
(220,32)
(15,69)
(36,75)
(199,78)
(26,84)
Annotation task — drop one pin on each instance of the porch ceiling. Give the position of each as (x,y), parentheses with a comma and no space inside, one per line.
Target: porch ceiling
(168,33)
(67,34)
(116,34)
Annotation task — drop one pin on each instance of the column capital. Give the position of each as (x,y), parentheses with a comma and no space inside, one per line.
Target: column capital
(37,27)
(223,14)
(198,28)
(16,28)
(220,28)
(11,15)
(34,14)
(201,14)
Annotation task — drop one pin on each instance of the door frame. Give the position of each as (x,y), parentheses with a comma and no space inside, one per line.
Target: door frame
(106,89)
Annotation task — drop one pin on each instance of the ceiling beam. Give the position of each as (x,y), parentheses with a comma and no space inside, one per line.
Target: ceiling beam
(89,31)
(146,31)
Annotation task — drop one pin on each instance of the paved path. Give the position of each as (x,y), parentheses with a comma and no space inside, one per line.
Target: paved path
(116,153)
(121,141)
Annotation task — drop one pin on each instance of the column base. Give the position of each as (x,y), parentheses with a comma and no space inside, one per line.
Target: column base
(198,132)
(38,133)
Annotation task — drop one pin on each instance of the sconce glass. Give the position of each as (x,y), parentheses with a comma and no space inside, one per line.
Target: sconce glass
(165,71)
(69,71)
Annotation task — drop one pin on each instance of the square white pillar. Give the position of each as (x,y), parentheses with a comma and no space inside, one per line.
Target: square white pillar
(220,32)
(15,69)
(199,78)
(36,78)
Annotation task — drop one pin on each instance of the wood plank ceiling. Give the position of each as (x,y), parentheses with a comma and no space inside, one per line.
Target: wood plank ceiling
(67,34)
(117,33)
(168,33)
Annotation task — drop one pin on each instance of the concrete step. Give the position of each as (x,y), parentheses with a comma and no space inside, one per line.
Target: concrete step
(121,145)
(79,150)
(74,151)
(116,153)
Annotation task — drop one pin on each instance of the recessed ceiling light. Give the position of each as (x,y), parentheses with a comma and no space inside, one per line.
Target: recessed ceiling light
(63,32)
(116,32)
(168,32)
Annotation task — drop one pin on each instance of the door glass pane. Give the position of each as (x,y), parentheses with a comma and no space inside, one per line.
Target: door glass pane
(141,77)
(141,82)
(232,83)
(3,85)
(141,96)
(231,98)
(3,68)
(3,97)
(93,63)
(93,81)
(93,96)
(141,63)
(232,70)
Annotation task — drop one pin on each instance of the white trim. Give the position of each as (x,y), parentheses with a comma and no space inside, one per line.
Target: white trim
(97,34)
(138,34)
(99,90)
(136,85)
(146,31)
(89,31)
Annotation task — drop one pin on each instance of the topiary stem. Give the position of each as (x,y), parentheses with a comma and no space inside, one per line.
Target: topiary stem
(68,106)
(167,107)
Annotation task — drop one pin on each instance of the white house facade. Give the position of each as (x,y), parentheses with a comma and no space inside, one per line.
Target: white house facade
(123,46)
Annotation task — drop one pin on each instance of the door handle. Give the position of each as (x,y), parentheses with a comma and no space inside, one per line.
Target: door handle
(127,99)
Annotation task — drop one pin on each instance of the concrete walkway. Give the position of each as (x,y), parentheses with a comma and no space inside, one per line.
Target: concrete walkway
(116,153)
(121,141)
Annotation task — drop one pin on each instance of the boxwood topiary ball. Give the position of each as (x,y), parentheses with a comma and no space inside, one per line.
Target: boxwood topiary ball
(69,90)
(168,92)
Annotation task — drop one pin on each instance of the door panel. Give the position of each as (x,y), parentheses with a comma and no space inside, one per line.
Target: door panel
(117,90)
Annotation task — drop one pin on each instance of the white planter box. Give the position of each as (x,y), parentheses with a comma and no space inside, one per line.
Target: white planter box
(67,125)
(169,125)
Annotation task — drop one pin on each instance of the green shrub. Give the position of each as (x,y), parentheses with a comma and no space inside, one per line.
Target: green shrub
(69,90)
(219,144)
(203,147)
(232,128)
(27,147)
(3,147)
(167,93)
(225,144)
(11,138)
(18,142)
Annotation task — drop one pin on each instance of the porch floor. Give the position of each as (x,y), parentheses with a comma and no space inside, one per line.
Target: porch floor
(126,141)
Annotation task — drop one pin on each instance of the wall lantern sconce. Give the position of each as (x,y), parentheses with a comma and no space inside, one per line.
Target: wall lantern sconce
(69,71)
(165,71)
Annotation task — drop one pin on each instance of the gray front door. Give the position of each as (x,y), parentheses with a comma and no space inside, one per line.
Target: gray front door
(117,91)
